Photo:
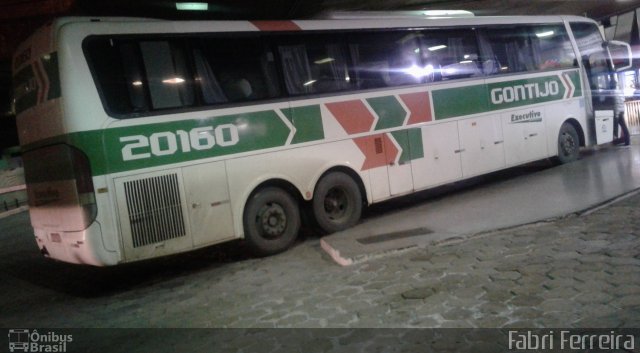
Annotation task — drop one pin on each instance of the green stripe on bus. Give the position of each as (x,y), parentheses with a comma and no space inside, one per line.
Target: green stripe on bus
(575,78)
(415,143)
(460,101)
(175,142)
(390,112)
(307,121)
(512,94)
(410,140)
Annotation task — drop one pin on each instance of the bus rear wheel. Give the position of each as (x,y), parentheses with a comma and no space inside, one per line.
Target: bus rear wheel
(568,144)
(271,221)
(337,202)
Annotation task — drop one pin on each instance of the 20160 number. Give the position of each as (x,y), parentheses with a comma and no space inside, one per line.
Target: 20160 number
(167,142)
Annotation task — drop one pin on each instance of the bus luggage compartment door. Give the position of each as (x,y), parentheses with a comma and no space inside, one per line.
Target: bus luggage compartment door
(481,140)
(603,126)
(208,203)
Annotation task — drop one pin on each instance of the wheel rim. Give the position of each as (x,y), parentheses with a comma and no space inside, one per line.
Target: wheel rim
(567,144)
(271,220)
(336,203)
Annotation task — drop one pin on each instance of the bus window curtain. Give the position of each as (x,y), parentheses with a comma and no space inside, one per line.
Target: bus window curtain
(270,75)
(490,62)
(297,74)
(536,52)
(211,91)
(338,67)
(185,90)
(134,76)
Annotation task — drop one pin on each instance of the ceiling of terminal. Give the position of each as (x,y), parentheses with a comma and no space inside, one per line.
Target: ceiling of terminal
(18,18)
(287,9)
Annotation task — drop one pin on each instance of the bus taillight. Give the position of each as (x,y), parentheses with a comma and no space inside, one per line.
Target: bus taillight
(84,183)
(60,187)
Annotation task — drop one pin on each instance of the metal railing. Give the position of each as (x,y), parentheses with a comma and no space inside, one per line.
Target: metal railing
(632,115)
(14,201)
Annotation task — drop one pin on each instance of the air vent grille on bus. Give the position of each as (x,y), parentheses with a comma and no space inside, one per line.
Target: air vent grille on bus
(155,212)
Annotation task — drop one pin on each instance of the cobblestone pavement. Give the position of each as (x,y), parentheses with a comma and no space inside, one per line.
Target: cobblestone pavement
(579,271)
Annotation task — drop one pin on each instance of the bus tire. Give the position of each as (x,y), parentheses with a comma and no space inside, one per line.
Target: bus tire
(568,144)
(271,221)
(337,202)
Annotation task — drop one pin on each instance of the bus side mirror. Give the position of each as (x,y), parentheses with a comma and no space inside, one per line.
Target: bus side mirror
(620,54)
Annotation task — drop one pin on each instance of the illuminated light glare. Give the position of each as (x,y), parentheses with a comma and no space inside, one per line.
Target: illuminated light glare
(437,47)
(192,6)
(466,62)
(447,13)
(419,72)
(545,34)
(467,56)
(504,68)
(309,83)
(324,61)
(173,80)
(450,71)
(137,83)
(416,50)
(628,91)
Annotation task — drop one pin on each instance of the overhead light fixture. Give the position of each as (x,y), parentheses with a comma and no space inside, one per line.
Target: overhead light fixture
(437,47)
(324,61)
(192,6)
(447,13)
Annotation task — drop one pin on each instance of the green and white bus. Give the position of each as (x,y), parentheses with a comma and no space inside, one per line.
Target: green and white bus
(143,138)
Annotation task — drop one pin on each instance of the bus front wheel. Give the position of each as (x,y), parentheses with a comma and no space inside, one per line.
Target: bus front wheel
(271,221)
(568,144)
(337,202)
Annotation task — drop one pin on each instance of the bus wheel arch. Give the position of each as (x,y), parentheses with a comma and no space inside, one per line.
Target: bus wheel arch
(570,139)
(271,217)
(338,199)
(576,125)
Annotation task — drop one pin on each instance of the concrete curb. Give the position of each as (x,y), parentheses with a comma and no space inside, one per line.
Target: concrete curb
(346,250)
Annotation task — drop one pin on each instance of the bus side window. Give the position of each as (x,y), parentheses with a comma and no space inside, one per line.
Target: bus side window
(167,77)
(450,54)
(207,81)
(385,59)
(328,66)
(553,48)
(133,76)
(238,70)
(118,74)
(314,64)
(512,48)
(295,66)
(490,61)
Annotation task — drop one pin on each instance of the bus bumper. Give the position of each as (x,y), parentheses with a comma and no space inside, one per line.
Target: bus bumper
(82,247)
